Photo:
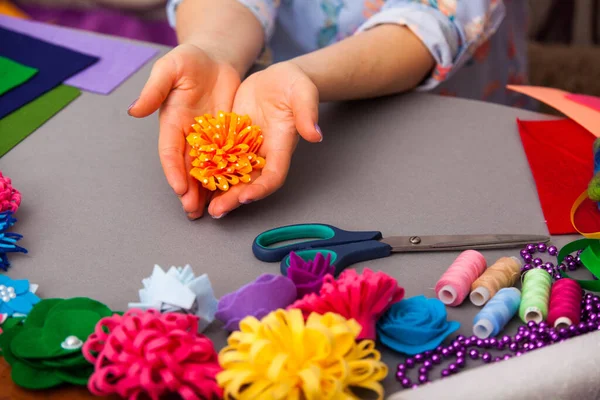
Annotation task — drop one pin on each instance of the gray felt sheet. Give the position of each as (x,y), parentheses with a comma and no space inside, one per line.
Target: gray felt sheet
(97,213)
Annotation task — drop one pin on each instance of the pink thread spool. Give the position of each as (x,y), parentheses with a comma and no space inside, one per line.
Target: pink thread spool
(455,284)
(565,303)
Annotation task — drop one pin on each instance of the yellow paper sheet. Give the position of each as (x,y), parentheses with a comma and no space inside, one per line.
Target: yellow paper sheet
(8,8)
(583,115)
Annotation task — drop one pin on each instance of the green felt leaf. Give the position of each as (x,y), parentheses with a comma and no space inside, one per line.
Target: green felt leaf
(30,378)
(28,344)
(12,321)
(73,360)
(60,325)
(46,342)
(6,338)
(75,376)
(84,303)
(37,316)
(53,320)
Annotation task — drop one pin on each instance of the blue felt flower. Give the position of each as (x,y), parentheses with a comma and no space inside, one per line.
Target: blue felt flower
(16,296)
(8,240)
(415,325)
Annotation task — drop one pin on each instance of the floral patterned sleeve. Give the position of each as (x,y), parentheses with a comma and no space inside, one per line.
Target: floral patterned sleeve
(264,10)
(451,29)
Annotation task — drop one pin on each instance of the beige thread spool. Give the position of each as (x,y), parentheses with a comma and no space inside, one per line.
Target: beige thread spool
(504,273)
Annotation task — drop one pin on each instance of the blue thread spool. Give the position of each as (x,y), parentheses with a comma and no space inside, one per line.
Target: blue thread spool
(497,313)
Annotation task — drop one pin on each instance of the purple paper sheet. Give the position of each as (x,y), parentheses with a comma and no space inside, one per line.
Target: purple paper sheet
(118,59)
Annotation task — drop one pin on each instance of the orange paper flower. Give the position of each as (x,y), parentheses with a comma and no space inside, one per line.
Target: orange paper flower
(224,150)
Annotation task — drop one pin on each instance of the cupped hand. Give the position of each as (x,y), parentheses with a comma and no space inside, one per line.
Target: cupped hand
(284,102)
(184,84)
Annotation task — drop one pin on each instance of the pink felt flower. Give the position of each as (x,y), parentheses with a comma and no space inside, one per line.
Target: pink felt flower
(363,297)
(10,198)
(146,354)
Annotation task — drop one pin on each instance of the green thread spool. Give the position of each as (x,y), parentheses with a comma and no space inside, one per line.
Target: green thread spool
(536,295)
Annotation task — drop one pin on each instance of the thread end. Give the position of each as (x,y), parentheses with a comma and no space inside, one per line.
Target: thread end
(447,294)
(533,314)
(479,296)
(483,329)
(563,322)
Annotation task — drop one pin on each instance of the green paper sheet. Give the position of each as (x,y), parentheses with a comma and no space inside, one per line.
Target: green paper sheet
(18,125)
(13,74)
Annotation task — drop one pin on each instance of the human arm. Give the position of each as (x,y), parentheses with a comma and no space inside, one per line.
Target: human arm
(219,42)
(225,29)
(370,68)
(403,46)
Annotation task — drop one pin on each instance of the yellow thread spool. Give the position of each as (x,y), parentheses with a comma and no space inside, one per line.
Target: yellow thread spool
(504,273)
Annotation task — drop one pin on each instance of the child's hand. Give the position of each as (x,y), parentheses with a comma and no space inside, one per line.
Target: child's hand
(282,100)
(185,83)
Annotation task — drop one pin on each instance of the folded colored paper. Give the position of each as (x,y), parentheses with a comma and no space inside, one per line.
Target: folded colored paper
(592,102)
(118,59)
(18,125)
(13,74)
(55,64)
(584,115)
(560,158)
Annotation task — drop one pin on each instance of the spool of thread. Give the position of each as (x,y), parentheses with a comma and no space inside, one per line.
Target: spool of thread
(535,297)
(497,313)
(565,303)
(504,273)
(455,284)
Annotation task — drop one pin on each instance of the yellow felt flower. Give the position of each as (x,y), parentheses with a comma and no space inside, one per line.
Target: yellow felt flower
(284,357)
(224,150)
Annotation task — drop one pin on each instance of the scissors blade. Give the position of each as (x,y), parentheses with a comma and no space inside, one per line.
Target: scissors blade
(401,244)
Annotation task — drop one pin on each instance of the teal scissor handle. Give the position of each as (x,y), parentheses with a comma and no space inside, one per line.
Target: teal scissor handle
(345,247)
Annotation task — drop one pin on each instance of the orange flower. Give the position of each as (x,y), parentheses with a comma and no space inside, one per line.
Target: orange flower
(224,150)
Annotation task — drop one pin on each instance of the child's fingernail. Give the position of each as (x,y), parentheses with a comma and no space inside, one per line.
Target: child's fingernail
(247,201)
(219,216)
(194,215)
(318,129)
(131,106)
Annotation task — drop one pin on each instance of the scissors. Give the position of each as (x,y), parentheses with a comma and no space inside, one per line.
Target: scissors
(350,247)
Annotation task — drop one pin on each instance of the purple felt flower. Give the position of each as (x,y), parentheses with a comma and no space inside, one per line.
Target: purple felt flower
(308,275)
(267,293)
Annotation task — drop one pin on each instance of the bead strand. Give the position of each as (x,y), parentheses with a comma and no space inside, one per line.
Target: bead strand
(528,338)
(527,254)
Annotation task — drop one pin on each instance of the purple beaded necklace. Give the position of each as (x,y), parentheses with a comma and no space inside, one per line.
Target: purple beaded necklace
(571,263)
(528,337)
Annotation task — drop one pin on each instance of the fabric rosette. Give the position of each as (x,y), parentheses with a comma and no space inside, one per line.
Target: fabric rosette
(415,325)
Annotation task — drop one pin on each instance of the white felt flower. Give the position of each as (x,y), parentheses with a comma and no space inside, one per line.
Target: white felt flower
(179,290)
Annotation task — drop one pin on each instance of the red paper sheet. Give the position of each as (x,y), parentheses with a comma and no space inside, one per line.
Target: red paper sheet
(560,156)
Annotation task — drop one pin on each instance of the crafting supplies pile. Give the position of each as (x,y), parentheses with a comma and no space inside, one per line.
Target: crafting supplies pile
(305,335)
